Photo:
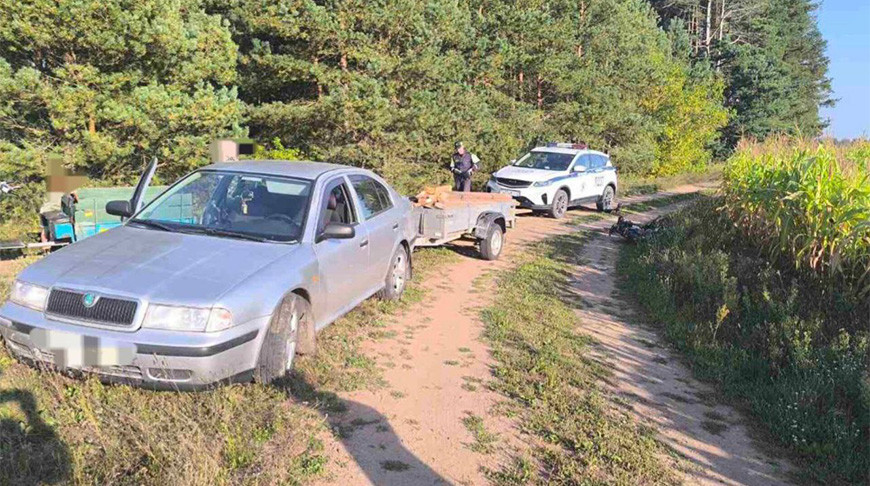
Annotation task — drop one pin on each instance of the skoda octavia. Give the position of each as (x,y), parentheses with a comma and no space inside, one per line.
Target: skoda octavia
(226,275)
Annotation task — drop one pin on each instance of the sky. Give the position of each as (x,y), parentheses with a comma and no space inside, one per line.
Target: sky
(845,24)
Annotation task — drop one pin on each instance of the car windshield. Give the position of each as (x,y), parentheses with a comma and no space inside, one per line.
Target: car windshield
(545,161)
(231,205)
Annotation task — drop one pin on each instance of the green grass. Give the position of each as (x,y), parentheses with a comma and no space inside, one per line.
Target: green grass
(58,429)
(759,329)
(484,440)
(553,386)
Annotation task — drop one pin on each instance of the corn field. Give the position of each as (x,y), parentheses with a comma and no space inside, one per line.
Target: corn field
(808,202)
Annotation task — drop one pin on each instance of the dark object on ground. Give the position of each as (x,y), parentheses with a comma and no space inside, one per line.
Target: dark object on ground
(630,230)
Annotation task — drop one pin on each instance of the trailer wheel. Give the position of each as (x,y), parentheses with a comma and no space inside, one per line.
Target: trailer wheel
(291,324)
(492,244)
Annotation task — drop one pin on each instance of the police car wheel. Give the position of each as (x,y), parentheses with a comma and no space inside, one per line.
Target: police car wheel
(605,202)
(560,204)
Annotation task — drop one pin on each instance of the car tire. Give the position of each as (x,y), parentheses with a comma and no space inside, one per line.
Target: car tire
(605,202)
(492,244)
(560,204)
(398,275)
(291,332)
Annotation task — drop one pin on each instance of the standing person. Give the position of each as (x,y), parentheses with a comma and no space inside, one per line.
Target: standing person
(462,165)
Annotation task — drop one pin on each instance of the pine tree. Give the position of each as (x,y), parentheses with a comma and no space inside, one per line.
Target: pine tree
(107,85)
(771,56)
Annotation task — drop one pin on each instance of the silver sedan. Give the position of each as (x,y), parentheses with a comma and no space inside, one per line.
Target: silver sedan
(226,276)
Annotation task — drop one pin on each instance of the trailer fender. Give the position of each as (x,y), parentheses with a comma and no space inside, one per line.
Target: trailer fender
(485,220)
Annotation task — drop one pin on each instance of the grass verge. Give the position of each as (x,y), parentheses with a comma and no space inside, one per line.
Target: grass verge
(757,329)
(543,366)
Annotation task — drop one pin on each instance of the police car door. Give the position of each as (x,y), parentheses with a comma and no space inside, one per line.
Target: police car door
(597,174)
(580,180)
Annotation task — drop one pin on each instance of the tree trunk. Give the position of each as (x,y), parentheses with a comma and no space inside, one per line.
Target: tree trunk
(708,27)
(317,79)
(521,79)
(539,82)
(92,124)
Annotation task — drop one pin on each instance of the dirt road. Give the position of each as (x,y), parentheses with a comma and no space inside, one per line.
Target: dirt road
(414,432)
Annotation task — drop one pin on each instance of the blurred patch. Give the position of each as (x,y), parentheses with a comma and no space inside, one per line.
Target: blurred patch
(71,350)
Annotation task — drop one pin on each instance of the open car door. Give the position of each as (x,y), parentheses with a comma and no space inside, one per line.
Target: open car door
(125,209)
(138,199)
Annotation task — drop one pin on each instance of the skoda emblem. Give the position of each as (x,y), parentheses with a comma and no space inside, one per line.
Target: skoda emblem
(89,300)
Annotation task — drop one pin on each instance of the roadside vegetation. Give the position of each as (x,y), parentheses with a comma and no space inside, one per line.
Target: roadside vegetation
(59,429)
(766,290)
(553,386)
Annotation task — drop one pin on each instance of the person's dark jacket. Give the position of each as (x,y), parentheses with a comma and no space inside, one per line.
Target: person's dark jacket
(462,163)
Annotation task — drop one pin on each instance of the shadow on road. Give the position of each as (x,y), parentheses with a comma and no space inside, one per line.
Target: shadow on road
(359,426)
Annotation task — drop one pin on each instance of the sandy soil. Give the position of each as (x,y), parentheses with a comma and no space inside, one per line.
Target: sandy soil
(412,432)
(658,388)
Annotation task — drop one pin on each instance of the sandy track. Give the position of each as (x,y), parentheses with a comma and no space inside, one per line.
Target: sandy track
(412,432)
(657,387)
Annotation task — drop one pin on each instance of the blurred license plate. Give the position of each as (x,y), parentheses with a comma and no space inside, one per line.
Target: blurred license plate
(512,193)
(76,351)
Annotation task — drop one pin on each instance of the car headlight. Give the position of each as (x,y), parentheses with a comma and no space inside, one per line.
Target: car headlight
(191,319)
(29,295)
(543,183)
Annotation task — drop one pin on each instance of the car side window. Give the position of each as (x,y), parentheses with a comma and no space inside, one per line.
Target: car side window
(595,162)
(373,198)
(584,160)
(336,206)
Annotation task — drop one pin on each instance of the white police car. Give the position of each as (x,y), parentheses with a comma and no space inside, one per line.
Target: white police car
(556,177)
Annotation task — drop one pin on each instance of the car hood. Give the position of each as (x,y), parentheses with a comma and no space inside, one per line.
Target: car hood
(156,266)
(527,174)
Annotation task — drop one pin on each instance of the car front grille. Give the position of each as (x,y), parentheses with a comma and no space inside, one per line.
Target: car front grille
(512,182)
(109,311)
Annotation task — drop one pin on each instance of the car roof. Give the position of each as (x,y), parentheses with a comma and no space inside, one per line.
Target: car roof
(569,151)
(301,169)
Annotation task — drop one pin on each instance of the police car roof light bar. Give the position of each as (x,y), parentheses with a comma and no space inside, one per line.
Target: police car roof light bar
(579,146)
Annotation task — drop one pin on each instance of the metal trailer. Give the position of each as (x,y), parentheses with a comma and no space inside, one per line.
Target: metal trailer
(485,221)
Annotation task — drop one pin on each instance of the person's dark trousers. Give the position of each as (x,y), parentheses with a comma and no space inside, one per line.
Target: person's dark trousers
(462,182)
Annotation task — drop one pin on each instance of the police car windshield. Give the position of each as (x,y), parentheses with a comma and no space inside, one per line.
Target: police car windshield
(545,161)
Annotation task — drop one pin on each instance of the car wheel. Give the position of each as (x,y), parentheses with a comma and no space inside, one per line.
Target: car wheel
(605,202)
(398,275)
(560,204)
(291,332)
(492,244)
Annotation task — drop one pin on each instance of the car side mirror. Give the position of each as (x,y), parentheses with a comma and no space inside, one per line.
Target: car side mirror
(513,161)
(337,231)
(579,168)
(119,208)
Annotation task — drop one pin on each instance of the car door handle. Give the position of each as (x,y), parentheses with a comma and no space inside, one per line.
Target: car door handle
(396,227)
(364,244)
